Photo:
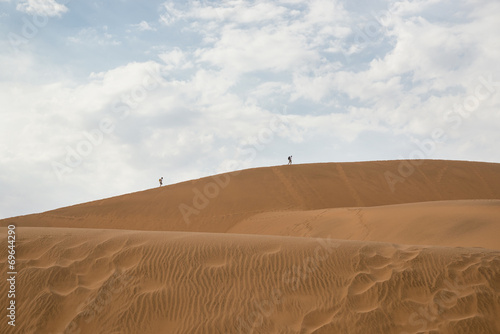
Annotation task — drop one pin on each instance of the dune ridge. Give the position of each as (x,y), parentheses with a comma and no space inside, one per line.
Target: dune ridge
(317,248)
(215,204)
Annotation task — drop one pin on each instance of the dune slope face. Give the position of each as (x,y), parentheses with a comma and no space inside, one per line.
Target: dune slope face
(215,204)
(324,248)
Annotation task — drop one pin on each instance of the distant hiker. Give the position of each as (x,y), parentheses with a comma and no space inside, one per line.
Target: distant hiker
(161,181)
(290,160)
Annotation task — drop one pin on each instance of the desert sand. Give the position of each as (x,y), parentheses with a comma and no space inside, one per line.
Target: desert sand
(367,247)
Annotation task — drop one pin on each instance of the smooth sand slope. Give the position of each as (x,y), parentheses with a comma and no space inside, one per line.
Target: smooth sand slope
(215,204)
(465,223)
(320,248)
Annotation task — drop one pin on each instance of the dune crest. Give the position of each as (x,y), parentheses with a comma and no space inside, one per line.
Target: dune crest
(215,204)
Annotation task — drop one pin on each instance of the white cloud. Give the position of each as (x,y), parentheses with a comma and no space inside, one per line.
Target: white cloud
(42,7)
(247,50)
(270,89)
(346,82)
(175,59)
(406,7)
(169,124)
(325,12)
(249,37)
(95,36)
(240,12)
(170,14)
(143,26)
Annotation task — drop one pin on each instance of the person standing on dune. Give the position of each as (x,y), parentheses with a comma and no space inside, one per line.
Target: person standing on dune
(290,160)
(161,181)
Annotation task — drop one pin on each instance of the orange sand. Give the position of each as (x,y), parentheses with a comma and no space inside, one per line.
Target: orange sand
(318,248)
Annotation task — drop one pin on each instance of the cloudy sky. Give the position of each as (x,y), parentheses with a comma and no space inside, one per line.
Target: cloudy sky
(101,98)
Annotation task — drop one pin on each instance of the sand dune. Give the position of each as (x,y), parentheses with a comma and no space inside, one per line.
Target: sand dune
(374,247)
(215,204)
(465,223)
(102,281)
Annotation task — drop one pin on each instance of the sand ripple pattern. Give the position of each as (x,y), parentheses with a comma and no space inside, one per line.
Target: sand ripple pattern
(88,281)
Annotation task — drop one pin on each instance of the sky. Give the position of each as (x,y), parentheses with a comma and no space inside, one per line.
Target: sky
(101,98)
